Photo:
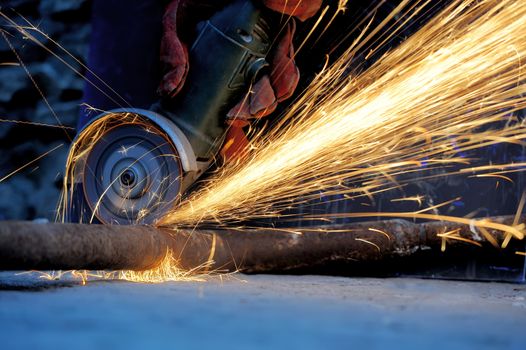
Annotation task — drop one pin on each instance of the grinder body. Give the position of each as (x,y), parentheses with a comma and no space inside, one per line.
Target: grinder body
(131,166)
(226,57)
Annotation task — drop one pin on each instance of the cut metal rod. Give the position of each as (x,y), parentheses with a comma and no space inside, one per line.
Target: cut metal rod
(56,246)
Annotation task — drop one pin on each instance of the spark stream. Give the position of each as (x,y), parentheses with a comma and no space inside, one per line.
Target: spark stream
(437,94)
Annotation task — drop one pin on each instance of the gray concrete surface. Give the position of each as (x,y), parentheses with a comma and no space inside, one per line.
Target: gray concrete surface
(262,312)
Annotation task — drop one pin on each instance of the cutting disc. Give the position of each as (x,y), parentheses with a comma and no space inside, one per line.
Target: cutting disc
(132,174)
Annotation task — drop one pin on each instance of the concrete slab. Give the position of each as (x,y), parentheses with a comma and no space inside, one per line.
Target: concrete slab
(262,312)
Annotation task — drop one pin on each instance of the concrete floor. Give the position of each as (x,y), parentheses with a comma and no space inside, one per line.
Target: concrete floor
(262,312)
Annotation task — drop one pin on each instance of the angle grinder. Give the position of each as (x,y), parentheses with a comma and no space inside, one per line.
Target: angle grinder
(132,166)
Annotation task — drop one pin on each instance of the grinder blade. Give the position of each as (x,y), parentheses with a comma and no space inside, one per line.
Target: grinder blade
(132,173)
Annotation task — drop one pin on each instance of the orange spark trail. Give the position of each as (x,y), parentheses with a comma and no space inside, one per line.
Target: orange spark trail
(441,92)
(12,121)
(30,162)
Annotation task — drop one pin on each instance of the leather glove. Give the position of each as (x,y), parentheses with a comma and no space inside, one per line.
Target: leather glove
(265,94)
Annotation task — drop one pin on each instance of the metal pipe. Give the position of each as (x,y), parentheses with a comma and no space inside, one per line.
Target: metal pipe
(50,246)
(33,246)
(268,250)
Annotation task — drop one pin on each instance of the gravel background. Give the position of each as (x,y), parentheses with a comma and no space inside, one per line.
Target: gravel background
(34,191)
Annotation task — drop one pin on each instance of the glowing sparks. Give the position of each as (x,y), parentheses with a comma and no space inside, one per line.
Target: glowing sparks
(369,242)
(417,199)
(380,231)
(516,219)
(454,235)
(168,270)
(443,92)
(438,94)
(30,32)
(23,122)
(76,167)
(495,176)
(489,237)
(26,70)
(516,231)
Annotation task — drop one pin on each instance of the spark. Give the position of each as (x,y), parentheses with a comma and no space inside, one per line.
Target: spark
(440,93)
(507,178)
(454,235)
(489,237)
(493,167)
(26,70)
(76,161)
(29,163)
(168,270)
(26,32)
(89,108)
(417,199)
(444,91)
(124,150)
(516,219)
(380,231)
(342,5)
(318,21)
(2,120)
(516,231)
(369,242)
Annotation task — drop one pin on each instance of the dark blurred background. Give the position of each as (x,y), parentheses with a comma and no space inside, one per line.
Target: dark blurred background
(34,191)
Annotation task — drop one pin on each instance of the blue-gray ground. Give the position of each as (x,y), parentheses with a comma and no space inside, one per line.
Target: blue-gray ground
(262,312)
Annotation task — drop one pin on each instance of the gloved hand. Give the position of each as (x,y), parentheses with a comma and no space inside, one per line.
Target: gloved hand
(265,94)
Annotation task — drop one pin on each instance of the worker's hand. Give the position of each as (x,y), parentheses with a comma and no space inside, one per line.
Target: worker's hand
(266,93)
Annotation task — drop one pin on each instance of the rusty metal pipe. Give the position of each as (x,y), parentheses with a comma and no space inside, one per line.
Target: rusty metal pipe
(28,246)
(278,250)
(50,246)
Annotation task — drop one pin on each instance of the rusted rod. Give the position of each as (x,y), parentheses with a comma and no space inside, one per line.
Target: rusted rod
(33,246)
(278,250)
(50,246)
